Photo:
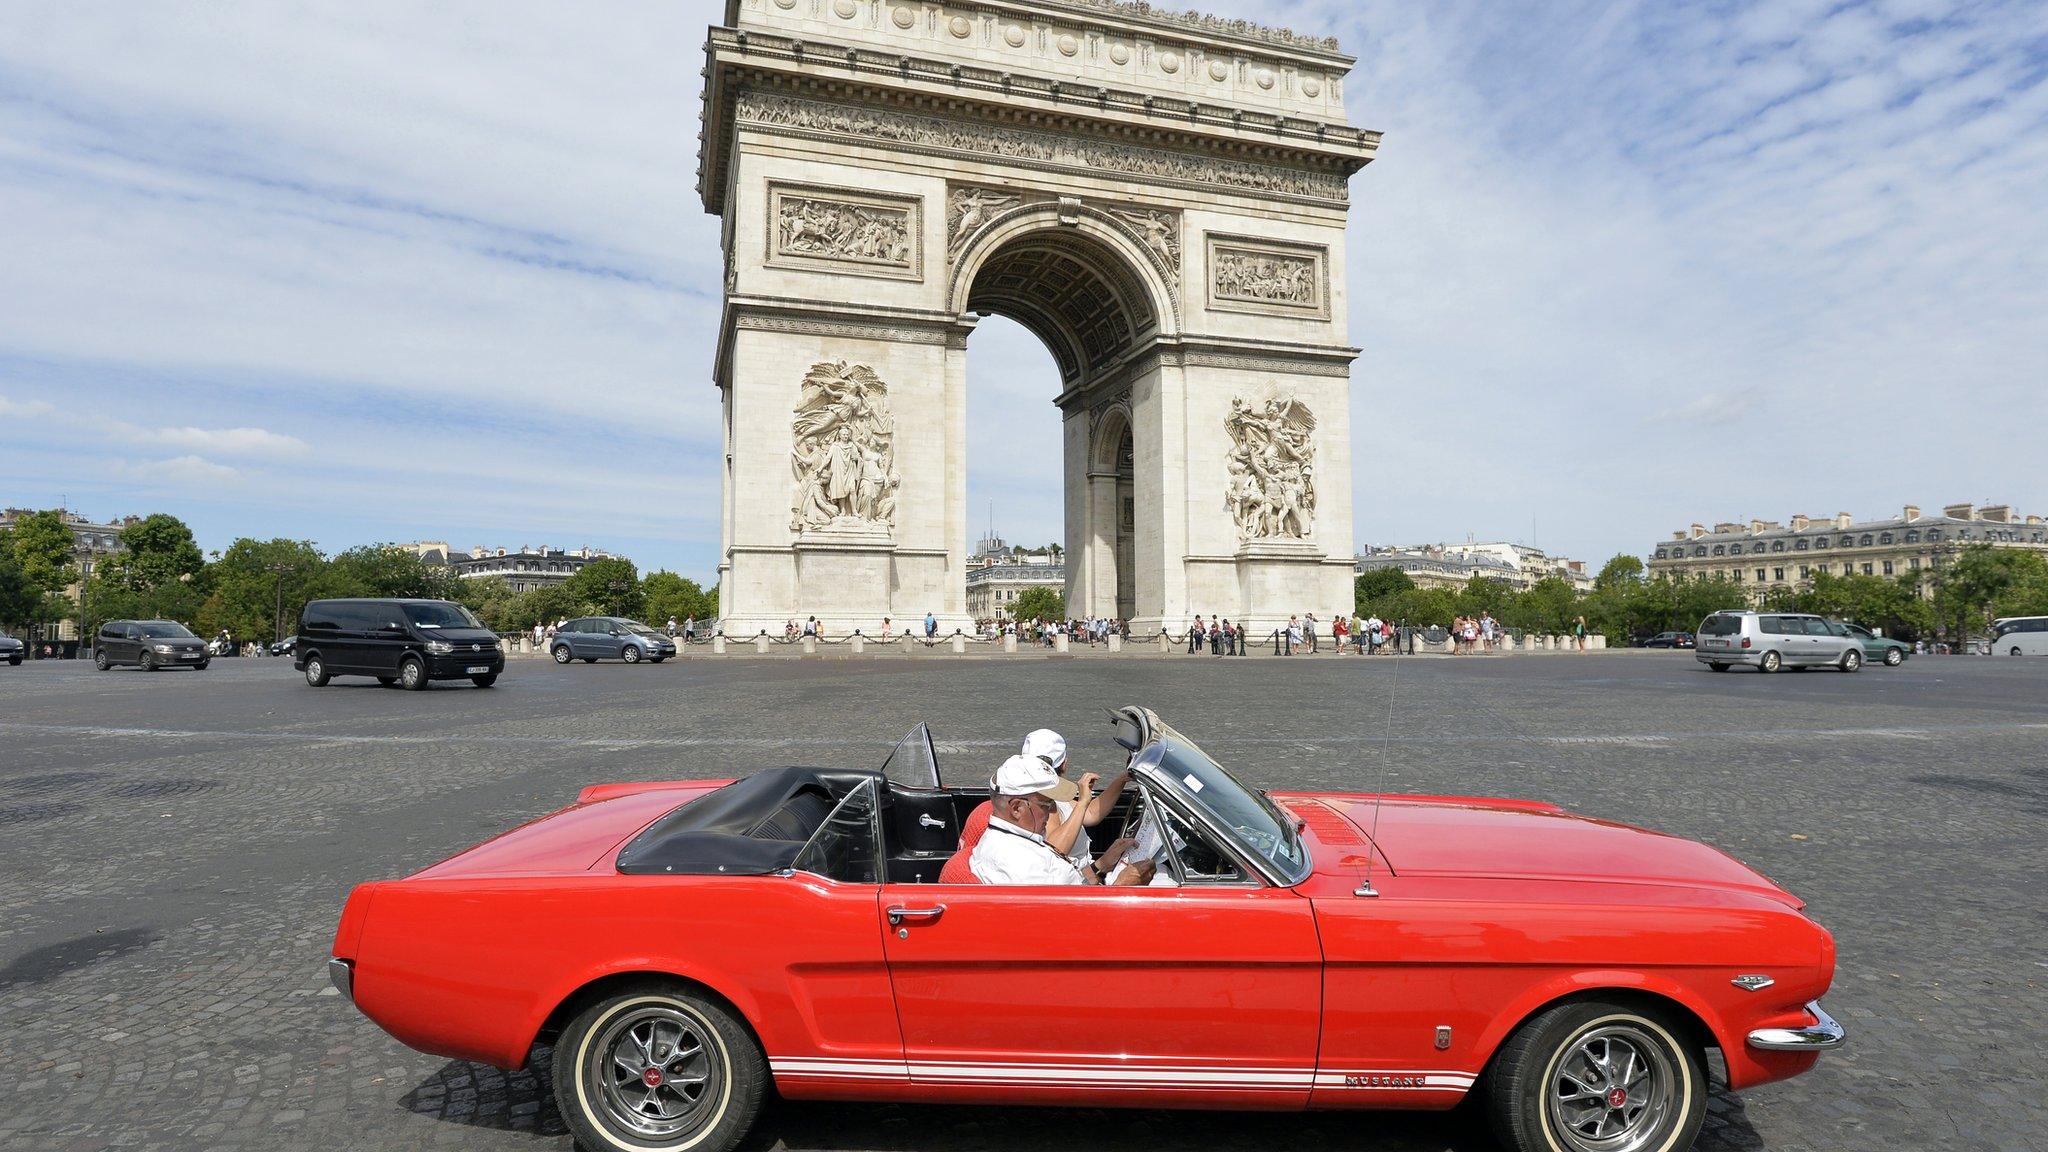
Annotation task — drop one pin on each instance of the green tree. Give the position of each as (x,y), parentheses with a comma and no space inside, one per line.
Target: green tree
(546,605)
(1485,594)
(1039,604)
(249,582)
(608,587)
(1549,606)
(19,598)
(393,570)
(1982,582)
(160,551)
(42,547)
(1624,571)
(668,594)
(1375,586)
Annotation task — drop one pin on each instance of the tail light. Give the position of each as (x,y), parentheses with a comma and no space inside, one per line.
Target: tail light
(1745,641)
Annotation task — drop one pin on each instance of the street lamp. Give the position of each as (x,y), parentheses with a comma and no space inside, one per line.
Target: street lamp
(282,570)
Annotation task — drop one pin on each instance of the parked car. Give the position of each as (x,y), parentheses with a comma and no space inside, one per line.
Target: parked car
(1309,950)
(149,645)
(1769,641)
(284,647)
(13,651)
(594,638)
(1880,649)
(403,642)
(2019,636)
(1669,640)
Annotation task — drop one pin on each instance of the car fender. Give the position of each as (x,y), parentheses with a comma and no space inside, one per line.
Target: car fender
(728,988)
(1579,982)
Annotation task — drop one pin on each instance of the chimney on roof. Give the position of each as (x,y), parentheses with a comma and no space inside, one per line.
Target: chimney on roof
(1912,512)
(1698,530)
(1678,535)
(1842,520)
(1997,513)
(1726,526)
(2033,519)
(1799,521)
(1959,511)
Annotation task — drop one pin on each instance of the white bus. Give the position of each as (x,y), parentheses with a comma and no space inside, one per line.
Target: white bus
(2020,636)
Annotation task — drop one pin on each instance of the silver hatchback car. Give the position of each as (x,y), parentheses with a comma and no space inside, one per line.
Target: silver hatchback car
(1769,641)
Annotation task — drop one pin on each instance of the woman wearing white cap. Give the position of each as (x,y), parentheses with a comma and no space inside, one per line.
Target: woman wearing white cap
(1065,832)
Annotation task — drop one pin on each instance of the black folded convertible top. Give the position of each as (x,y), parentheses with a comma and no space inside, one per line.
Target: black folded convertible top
(750,827)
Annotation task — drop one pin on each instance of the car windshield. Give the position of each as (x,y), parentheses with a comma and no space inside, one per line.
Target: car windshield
(168,631)
(847,846)
(1247,815)
(639,629)
(441,616)
(1719,625)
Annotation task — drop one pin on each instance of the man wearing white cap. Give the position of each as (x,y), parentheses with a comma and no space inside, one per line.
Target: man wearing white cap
(1014,850)
(1067,830)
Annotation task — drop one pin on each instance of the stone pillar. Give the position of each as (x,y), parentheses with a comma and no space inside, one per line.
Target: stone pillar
(761,644)
(1059,642)
(718,644)
(1116,642)
(959,644)
(810,645)
(1009,641)
(1596,642)
(859,644)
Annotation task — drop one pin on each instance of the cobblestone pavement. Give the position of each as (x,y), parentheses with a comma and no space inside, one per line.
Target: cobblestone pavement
(174,849)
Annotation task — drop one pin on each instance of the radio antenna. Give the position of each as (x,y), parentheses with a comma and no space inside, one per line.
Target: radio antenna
(1372,836)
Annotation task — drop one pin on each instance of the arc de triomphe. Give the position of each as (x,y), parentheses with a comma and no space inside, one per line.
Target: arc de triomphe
(1160,197)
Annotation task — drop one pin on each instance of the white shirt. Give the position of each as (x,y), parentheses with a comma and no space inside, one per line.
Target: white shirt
(1007,854)
(1080,855)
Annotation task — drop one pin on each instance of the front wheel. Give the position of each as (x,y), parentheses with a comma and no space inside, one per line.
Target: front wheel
(2015,651)
(1770,663)
(316,672)
(561,653)
(1893,657)
(658,1068)
(484,681)
(148,663)
(201,666)
(1718,667)
(412,675)
(99,660)
(1593,1076)
(631,655)
(1851,660)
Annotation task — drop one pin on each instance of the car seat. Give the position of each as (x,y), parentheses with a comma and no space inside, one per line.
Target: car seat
(977,823)
(957,870)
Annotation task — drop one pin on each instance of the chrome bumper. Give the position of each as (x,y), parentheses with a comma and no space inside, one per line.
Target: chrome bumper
(1819,1036)
(343,976)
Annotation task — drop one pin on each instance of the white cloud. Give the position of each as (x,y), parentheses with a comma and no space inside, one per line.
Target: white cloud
(181,471)
(224,441)
(24,409)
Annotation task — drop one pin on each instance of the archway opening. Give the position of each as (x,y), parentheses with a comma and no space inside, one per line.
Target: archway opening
(1016,510)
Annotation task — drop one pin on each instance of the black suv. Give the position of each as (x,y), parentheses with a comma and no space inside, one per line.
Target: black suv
(148,644)
(405,642)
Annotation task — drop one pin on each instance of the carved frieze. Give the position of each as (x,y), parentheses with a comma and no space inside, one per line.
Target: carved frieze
(844,457)
(968,208)
(849,232)
(1272,491)
(1247,275)
(984,141)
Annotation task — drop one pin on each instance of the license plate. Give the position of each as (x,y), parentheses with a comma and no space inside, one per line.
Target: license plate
(478,669)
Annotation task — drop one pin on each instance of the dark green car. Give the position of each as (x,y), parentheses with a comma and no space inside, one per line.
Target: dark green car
(1876,649)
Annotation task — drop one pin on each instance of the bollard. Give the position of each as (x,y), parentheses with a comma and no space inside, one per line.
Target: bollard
(718,644)
(1165,645)
(858,644)
(761,644)
(810,645)
(1596,641)
(1059,642)
(1116,642)
(959,644)
(1009,641)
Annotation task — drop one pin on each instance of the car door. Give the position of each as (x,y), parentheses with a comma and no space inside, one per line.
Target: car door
(1084,994)
(611,639)
(1828,645)
(132,643)
(577,634)
(385,636)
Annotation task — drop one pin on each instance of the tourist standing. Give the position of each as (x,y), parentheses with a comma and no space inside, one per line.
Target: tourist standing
(1579,628)
(931,626)
(1195,633)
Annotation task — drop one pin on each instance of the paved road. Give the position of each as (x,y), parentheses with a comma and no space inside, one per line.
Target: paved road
(174,848)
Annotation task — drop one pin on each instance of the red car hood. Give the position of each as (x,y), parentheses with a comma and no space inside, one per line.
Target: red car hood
(575,838)
(1514,840)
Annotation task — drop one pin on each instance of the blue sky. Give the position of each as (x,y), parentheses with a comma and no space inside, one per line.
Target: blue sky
(359,271)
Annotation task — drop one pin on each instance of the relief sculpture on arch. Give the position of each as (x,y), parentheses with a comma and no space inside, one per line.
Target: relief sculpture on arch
(844,457)
(1272,462)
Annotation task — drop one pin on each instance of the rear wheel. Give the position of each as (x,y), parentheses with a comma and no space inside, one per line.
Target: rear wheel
(1851,661)
(1770,663)
(2015,651)
(316,672)
(1893,657)
(99,659)
(658,1068)
(484,681)
(631,655)
(1594,1076)
(590,659)
(412,675)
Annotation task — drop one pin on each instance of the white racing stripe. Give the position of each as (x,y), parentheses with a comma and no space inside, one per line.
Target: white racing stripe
(1152,1076)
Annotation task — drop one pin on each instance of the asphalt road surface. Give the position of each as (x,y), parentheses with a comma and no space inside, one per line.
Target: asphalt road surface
(175,847)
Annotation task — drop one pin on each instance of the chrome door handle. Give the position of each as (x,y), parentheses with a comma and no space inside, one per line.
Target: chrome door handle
(900,915)
(929,820)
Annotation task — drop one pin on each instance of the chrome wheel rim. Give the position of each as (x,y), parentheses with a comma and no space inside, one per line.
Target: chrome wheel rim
(561,655)
(1852,661)
(1612,1090)
(631,655)
(411,673)
(1893,657)
(655,1073)
(1770,662)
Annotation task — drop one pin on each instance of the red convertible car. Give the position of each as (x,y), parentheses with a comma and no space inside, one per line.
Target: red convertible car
(689,946)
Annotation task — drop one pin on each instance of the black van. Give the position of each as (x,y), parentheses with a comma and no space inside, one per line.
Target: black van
(406,642)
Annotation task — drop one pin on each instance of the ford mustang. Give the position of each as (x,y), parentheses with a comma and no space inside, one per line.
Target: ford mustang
(689,947)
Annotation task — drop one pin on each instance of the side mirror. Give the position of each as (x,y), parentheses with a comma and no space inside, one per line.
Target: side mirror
(394,626)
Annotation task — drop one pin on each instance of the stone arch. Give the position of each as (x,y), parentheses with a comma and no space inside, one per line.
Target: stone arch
(1074,275)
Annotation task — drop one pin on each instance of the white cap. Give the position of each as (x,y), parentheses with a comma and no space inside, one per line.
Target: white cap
(1027,775)
(1048,746)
